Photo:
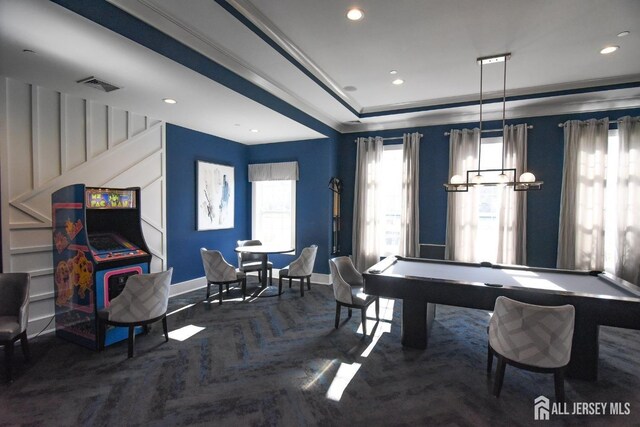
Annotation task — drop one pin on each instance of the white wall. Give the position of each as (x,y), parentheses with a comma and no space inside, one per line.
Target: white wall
(49,140)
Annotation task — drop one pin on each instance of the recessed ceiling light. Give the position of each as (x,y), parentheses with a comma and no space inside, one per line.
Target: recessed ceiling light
(255,130)
(398,82)
(393,72)
(350,88)
(170,101)
(355,14)
(609,49)
(29,51)
(624,33)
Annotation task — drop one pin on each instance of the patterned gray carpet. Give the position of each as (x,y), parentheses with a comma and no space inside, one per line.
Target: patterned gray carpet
(279,361)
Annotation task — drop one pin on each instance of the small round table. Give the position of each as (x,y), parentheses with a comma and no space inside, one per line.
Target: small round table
(264,251)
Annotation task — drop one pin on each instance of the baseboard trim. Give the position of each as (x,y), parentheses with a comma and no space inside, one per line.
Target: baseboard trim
(187,286)
(201,282)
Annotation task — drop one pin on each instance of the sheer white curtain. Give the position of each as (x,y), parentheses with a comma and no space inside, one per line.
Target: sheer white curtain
(410,215)
(627,248)
(366,201)
(581,232)
(512,228)
(462,208)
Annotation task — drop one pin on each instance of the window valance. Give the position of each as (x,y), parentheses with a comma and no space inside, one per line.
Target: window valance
(285,171)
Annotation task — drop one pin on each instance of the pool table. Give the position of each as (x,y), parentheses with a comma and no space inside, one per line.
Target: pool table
(598,298)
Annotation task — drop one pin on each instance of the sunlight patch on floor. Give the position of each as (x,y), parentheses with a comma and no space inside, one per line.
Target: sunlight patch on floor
(185,332)
(327,366)
(383,327)
(386,315)
(180,309)
(343,377)
(386,308)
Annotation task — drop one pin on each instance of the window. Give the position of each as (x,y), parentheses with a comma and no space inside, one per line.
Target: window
(391,193)
(488,206)
(274,212)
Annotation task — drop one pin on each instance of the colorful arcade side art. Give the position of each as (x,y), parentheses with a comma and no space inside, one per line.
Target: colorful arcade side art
(98,244)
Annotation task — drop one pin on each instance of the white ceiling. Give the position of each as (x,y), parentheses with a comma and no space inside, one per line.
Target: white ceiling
(69,48)
(433,44)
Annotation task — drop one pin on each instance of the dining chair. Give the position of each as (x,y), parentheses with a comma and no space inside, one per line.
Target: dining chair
(531,337)
(219,272)
(14,316)
(143,300)
(248,262)
(301,269)
(347,290)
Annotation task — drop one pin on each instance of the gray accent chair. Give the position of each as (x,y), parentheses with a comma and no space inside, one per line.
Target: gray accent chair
(301,269)
(248,262)
(220,272)
(14,315)
(144,300)
(531,337)
(347,290)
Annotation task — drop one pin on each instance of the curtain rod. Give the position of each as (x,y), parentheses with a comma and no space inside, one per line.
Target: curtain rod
(490,130)
(611,123)
(390,138)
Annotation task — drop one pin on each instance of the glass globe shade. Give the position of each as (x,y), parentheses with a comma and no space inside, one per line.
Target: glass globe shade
(503,178)
(527,177)
(456,179)
(478,179)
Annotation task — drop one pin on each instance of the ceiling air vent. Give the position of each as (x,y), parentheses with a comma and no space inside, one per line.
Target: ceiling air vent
(98,84)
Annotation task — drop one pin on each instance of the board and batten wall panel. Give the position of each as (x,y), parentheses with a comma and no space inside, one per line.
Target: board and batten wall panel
(49,140)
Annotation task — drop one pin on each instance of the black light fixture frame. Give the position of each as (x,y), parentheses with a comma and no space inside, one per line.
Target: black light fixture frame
(517,185)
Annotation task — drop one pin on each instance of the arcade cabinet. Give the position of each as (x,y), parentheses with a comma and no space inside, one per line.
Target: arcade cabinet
(97,245)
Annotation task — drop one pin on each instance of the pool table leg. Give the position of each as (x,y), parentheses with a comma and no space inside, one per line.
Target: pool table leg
(584,350)
(417,319)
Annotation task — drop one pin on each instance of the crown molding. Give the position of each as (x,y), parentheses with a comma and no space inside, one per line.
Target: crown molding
(593,85)
(618,99)
(264,24)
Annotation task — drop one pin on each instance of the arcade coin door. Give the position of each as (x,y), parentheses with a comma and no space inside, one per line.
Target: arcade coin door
(97,244)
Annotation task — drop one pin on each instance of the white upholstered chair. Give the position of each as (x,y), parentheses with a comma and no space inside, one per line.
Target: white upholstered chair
(301,269)
(248,262)
(532,337)
(143,300)
(14,315)
(347,290)
(220,272)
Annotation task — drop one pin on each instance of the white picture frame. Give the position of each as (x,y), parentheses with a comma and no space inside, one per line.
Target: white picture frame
(215,196)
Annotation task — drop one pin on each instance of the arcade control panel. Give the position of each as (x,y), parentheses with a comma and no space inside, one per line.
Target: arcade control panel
(110,247)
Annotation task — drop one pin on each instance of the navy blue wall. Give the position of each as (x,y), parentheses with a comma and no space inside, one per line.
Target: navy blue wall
(317,164)
(544,156)
(184,148)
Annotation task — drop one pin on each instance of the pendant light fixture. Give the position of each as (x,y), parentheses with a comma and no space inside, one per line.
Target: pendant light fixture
(507,177)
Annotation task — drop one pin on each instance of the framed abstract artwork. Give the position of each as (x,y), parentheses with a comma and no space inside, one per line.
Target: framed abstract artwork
(215,196)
